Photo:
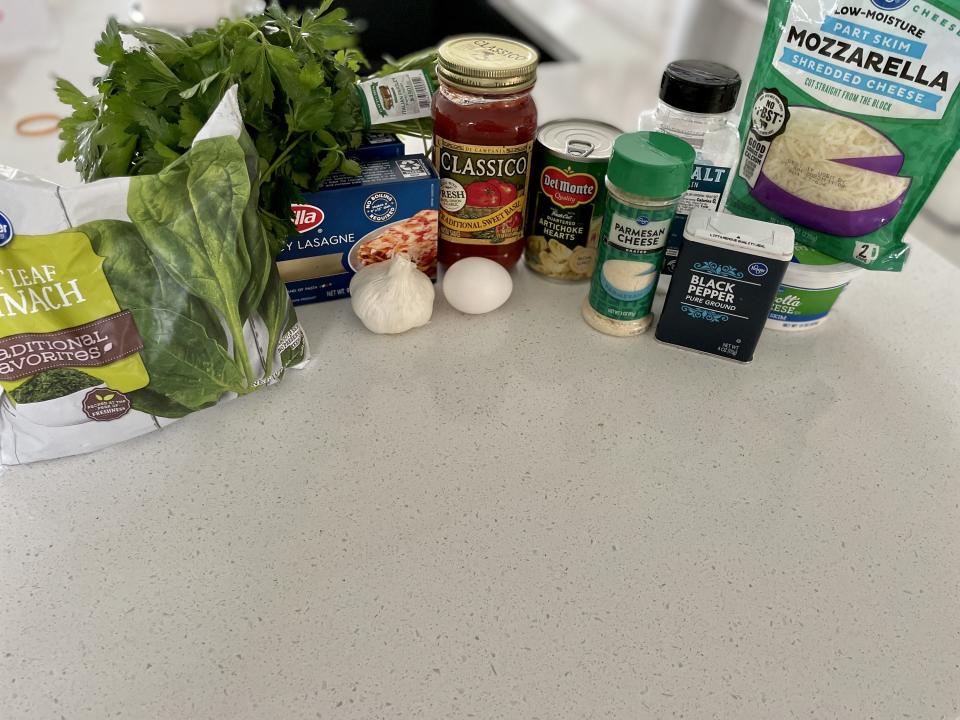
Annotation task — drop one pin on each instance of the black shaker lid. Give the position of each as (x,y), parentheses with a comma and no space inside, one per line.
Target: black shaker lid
(700,86)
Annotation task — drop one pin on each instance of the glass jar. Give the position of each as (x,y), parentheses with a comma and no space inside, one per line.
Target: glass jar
(485,122)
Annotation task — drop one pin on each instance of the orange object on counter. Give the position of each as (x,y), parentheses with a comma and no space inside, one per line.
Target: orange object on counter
(485,122)
(38,124)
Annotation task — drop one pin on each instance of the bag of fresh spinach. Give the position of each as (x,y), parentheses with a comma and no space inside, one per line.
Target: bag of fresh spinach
(130,302)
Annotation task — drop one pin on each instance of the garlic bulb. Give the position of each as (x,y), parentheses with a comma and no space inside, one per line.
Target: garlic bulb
(392,297)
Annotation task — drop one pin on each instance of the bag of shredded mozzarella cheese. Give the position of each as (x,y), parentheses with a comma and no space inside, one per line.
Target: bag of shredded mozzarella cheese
(128,303)
(851,118)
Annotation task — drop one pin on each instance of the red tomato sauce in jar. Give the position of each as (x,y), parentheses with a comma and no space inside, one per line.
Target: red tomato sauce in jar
(485,122)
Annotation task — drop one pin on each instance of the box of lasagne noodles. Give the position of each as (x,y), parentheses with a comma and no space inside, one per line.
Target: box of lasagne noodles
(377,146)
(351,222)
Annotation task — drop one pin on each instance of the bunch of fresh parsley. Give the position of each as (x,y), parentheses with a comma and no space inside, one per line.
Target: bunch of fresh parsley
(296,77)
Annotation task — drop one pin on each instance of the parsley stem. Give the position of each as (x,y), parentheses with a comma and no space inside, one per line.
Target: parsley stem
(280,158)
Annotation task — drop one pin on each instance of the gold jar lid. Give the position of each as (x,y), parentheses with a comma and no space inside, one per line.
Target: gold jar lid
(487,63)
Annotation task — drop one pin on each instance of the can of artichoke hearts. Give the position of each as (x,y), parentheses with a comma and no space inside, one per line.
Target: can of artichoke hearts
(567,196)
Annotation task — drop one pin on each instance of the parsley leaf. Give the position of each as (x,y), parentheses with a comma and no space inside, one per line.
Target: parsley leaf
(297,76)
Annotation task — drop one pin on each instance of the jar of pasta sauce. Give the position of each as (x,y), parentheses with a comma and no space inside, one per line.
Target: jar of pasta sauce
(485,122)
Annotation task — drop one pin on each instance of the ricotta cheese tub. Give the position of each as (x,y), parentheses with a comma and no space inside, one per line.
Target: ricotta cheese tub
(809,290)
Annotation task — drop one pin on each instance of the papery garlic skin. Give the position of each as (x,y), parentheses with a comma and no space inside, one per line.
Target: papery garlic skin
(392,297)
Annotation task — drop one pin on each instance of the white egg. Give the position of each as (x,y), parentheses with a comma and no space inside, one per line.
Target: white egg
(477,285)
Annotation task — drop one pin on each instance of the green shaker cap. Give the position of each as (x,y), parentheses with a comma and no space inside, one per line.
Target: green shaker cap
(652,164)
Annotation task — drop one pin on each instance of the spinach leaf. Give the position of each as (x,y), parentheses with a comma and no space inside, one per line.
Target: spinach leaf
(264,294)
(219,186)
(190,216)
(52,384)
(139,280)
(278,315)
(185,347)
(254,238)
(184,364)
(153,403)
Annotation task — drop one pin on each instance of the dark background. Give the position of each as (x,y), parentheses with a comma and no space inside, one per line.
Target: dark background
(399,27)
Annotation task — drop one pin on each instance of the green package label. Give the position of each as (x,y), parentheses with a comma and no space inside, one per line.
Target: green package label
(851,118)
(395,98)
(807,256)
(57,313)
(801,305)
(566,215)
(629,258)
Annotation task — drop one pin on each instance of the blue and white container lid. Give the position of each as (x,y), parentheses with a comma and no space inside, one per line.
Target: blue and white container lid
(752,237)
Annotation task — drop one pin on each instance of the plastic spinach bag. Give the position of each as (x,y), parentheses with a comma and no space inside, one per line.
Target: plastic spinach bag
(852,116)
(130,302)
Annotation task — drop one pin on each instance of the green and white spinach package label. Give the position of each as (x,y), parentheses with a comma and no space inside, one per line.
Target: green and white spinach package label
(630,254)
(128,303)
(851,118)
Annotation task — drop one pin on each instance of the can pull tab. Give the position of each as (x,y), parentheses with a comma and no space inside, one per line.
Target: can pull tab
(580,148)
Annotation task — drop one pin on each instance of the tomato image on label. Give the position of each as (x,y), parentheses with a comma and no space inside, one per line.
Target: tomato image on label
(496,194)
(508,192)
(483,194)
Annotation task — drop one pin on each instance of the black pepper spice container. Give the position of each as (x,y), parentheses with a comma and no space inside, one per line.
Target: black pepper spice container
(727,275)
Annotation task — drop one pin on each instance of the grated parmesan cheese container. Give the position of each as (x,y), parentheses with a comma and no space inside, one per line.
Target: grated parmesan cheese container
(809,290)
(648,173)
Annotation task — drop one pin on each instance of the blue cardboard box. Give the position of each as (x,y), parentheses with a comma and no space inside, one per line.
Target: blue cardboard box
(352,222)
(377,146)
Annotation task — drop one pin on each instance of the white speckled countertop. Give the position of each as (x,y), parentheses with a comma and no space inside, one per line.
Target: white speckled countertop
(509,517)
(512,516)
